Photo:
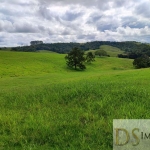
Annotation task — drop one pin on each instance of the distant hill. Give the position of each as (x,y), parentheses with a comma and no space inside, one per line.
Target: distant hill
(111,50)
(128,46)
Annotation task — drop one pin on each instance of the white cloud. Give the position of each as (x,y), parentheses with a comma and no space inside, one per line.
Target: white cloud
(73,21)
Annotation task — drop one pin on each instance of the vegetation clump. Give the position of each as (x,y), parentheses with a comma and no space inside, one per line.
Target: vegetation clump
(90,57)
(142,62)
(75,59)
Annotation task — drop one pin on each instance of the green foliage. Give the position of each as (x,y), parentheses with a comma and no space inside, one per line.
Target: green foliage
(123,56)
(90,57)
(142,62)
(75,58)
(101,53)
(128,47)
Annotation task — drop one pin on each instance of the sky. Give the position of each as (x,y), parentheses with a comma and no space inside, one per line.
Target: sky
(52,21)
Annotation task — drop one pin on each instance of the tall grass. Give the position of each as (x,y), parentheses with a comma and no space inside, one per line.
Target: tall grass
(75,115)
(70,110)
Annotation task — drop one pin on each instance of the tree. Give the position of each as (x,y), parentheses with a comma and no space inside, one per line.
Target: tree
(101,53)
(90,57)
(142,62)
(123,55)
(75,58)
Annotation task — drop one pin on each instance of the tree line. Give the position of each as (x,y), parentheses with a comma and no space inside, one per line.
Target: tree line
(63,48)
(140,52)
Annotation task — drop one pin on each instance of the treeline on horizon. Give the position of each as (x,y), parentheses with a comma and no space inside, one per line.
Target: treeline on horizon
(132,49)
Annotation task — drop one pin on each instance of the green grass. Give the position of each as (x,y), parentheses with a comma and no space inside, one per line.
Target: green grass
(45,51)
(112,51)
(44,105)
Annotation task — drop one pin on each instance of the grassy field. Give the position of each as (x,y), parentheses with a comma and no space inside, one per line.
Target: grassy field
(112,51)
(46,106)
(45,51)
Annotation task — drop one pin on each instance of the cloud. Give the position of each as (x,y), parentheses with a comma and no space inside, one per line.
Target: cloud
(73,21)
(71,15)
(25,28)
(142,9)
(5,25)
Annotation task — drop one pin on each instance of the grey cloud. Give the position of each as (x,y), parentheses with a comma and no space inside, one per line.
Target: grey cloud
(48,14)
(70,16)
(87,3)
(86,37)
(12,9)
(104,26)
(25,28)
(65,32)
(18,27)
(2,39)
(9,12)
(101,4)
(94,17)
(107,23)
(43,12)
(134,22)
(76,20)
(120,3)
(103,22)
(5,25)
(68,31)
(143,9)
(20,2)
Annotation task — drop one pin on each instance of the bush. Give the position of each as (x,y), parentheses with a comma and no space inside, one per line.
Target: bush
(123,56)
(90,57)
(142,62)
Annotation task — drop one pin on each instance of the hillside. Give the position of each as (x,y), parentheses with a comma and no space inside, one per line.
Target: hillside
(15,64)
(45,105)
(111,50)
(127,46)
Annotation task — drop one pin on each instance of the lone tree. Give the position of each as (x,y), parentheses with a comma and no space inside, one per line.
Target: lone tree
(75,58)
(90,57)
(142,62)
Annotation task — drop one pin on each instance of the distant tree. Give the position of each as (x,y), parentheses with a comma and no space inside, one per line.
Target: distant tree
(101,53)
(142,62)
(75,59)
(134,55)
(123,55)
(90,57)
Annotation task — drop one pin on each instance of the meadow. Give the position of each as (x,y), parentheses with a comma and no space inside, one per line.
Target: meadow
(46,106)
(111,51)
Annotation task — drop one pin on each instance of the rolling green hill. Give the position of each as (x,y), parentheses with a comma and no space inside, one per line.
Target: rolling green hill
(112,51)
(45,105)
(127,46)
